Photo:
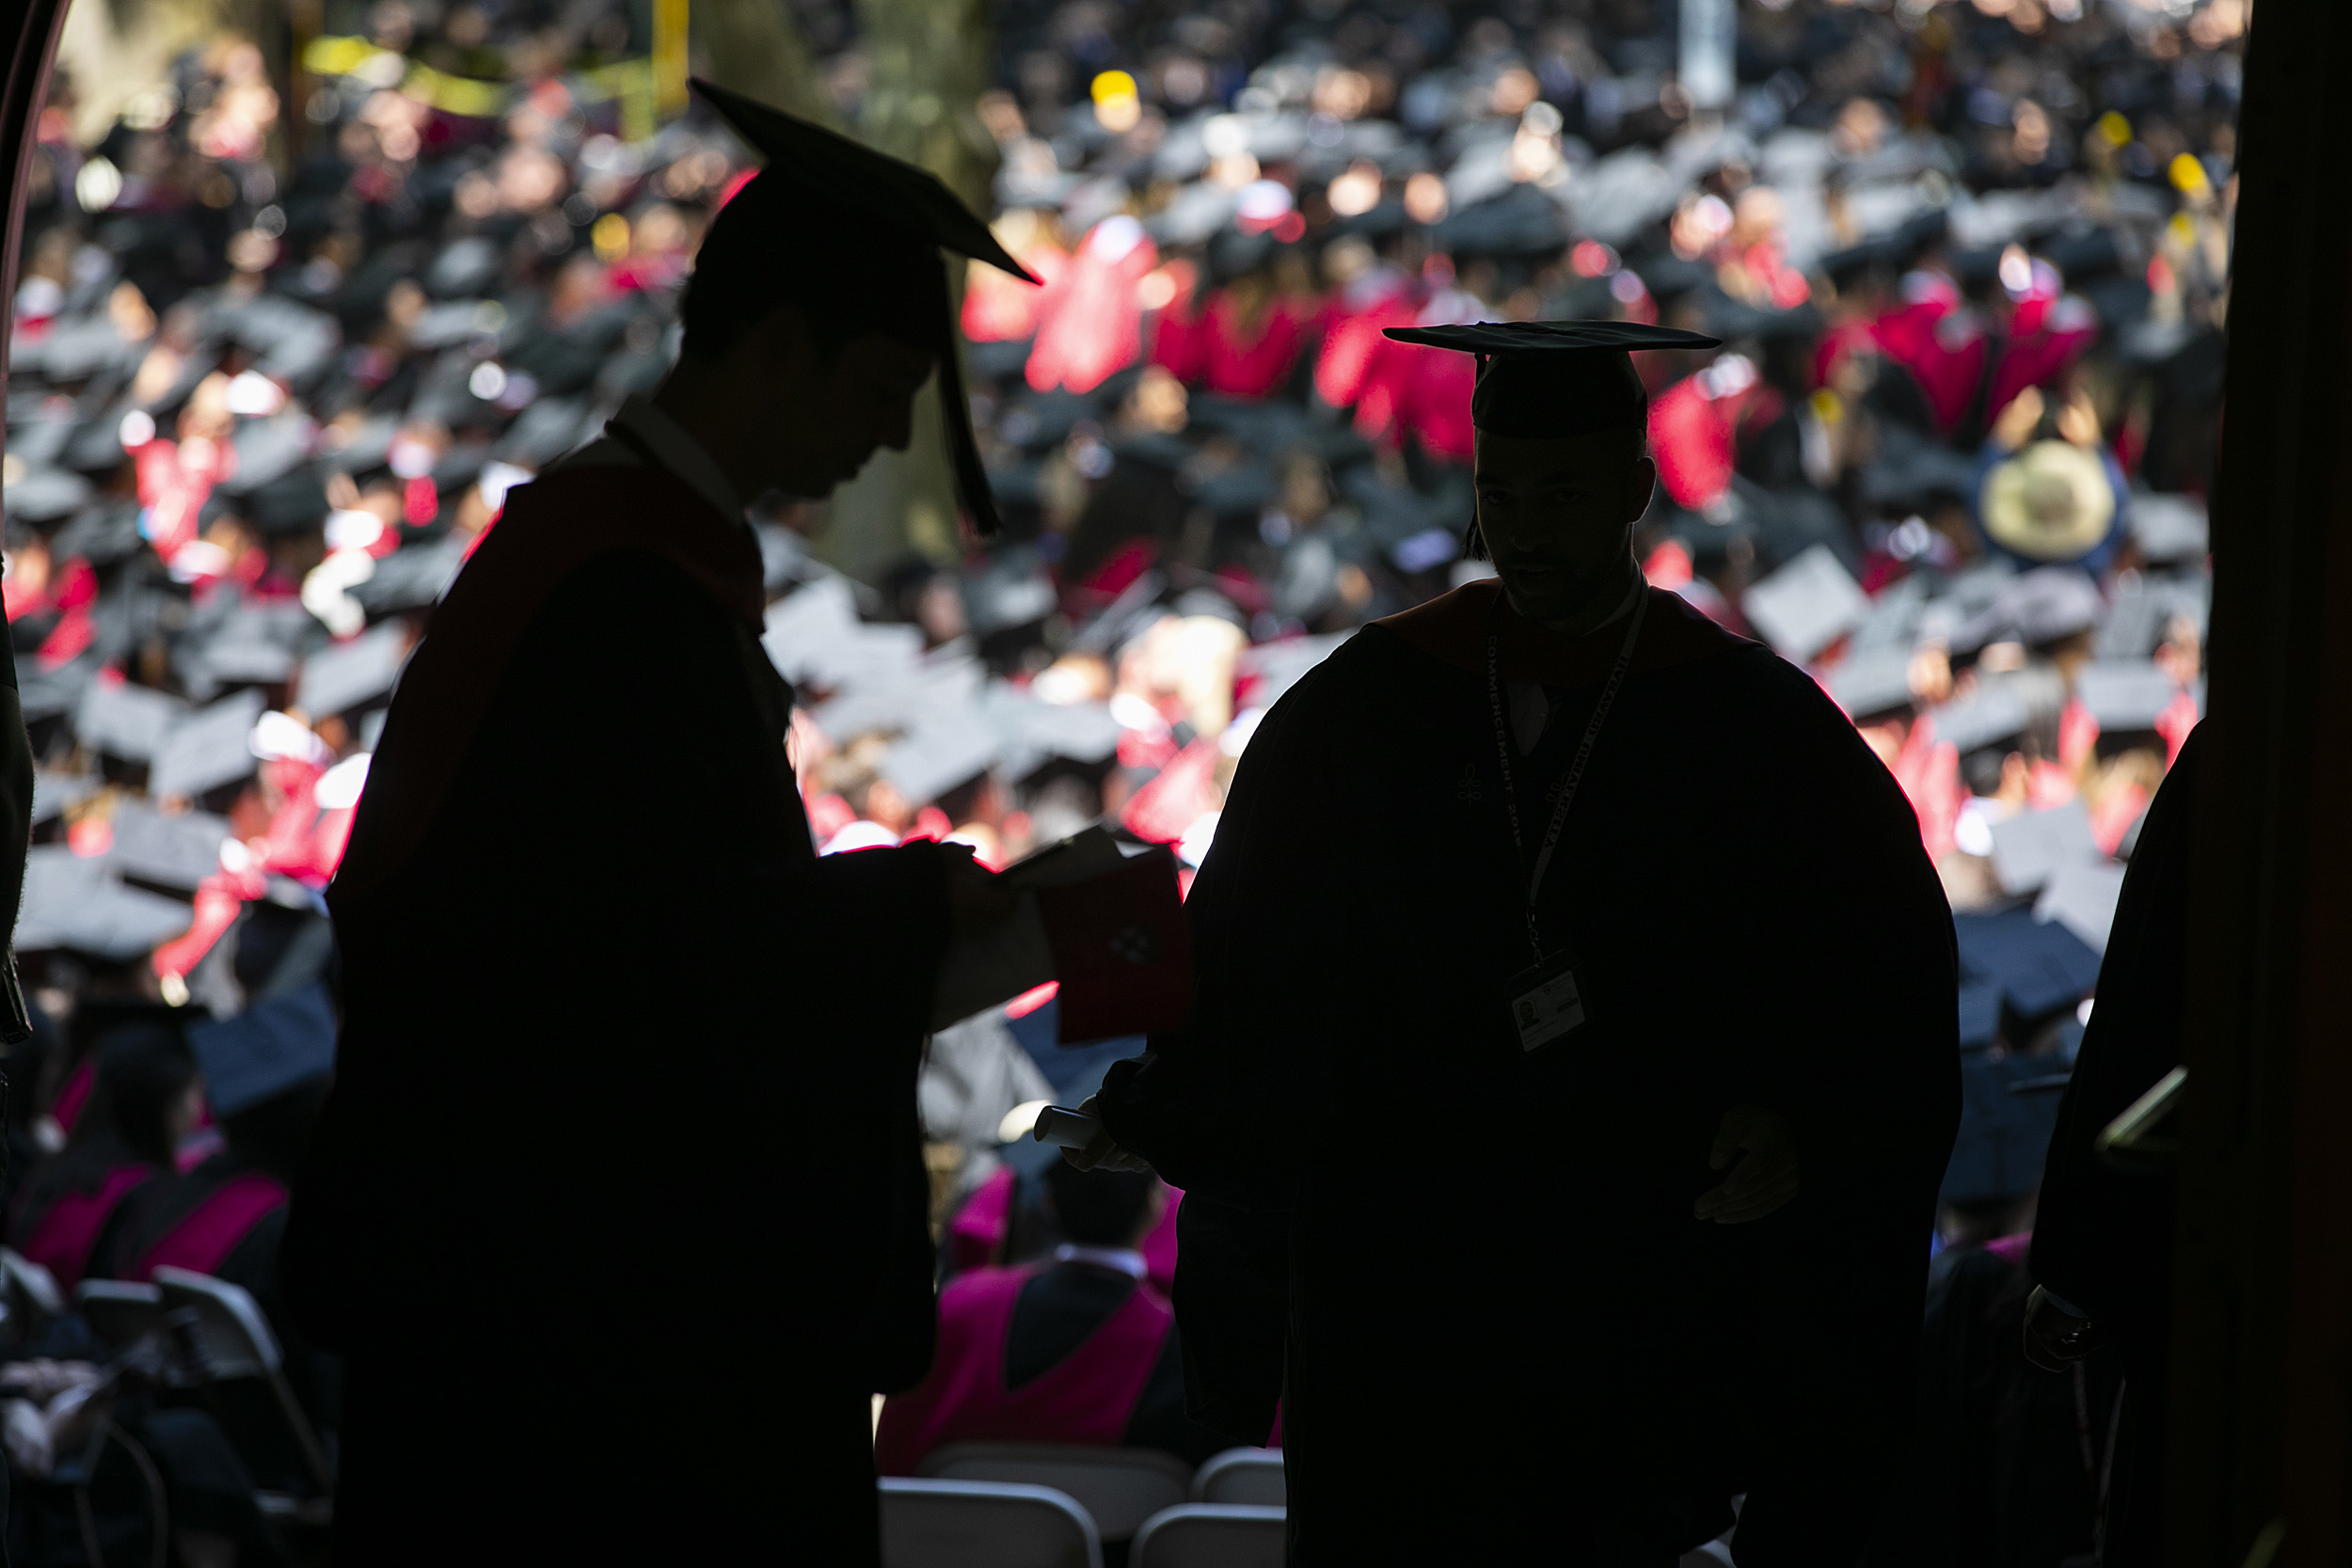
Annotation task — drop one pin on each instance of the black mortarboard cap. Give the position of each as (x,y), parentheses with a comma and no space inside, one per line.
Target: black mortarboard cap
(171,851)
(2004,1136)
(909,202)
(266,450)
(1994,715)
(2033,846)
(44,496)
(1979,1014)
(268,1049)
(2124,694)
(1873,681)
(1012,590)
(291,503)
(77,904)
(55,790)
(1544,379)
(411,578)
(2041,966)
(207,748)
(352,674)
(945,748)
(2170,527)
(125,720)
(1806,605)
(102,535)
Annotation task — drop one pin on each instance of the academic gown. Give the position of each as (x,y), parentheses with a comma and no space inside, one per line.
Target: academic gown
(2102,1238)
(1471,1270)
(617,1209)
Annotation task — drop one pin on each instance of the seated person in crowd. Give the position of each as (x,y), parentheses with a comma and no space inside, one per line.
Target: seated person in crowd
(1080,1349)
(70,1212)
(266,1073)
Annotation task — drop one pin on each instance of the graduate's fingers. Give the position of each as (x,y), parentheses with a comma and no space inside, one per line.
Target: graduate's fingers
(1741,1206)
(1730,1137)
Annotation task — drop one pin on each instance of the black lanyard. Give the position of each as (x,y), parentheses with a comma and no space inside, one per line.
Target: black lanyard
(1576,768)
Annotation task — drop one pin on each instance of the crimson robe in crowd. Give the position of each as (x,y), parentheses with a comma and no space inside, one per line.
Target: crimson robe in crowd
(617,1210)
(1470,1270)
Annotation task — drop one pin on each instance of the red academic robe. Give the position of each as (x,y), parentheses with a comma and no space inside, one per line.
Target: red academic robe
(1088,1397)
(621,1157)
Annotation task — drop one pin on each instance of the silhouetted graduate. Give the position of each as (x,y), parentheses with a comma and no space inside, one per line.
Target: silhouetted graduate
(1531,912)
(578,1299)
(2103,1245)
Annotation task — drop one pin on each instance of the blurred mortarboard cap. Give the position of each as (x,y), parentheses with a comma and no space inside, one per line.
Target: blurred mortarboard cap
(2081,896)
(102,535)
(910,203)
(270,1048)
(294,502)
(1031,732)
(1734,318)
(1911,473)
(2046,605)
(2051,502)
(266,450)
(44,496)
(2170,527)
(54,790)
(356,452)
(125,720)
(464,268)
(1873,681)
(1544,379)
(544,432)
(1979,1014)
(1992,715)
(352,674)
(944,747)
(96,445)
(207,748)
(2040,967)
(2004,1134)
(411,578)
(1009,590)
(46,693)
(76,904)
(2031,847)
(171,851)
(1806,605)
(2124,694)
(1521,221)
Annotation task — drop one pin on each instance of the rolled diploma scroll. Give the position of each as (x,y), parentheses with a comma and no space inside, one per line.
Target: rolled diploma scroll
(1065,1129)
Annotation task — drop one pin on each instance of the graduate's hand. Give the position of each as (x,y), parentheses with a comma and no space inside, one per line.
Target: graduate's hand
(977,898)
(1766,1176)
(2055,1337)
(1102,1153)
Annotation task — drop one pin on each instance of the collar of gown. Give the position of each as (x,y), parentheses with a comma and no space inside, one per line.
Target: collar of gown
(1452,629)
(679,452)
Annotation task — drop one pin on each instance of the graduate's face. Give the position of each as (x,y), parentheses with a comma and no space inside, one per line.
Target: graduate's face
(1557,516)
(832,411)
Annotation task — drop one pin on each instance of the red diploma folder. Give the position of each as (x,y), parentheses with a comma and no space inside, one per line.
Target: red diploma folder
(1121,950)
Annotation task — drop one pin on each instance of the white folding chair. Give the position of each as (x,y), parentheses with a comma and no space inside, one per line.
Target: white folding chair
(1120,1488)
(1250,1476)
(119,1312)
(929,1523)
(228,1336)
(1211,1535)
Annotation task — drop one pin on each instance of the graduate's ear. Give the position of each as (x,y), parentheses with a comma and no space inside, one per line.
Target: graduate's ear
(1641,484)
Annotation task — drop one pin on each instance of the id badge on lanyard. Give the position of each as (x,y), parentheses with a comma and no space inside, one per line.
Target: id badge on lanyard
(1544,1000)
